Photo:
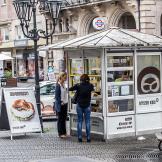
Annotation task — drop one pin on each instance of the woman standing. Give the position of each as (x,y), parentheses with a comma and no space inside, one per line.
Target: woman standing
(83,91)
(61,101)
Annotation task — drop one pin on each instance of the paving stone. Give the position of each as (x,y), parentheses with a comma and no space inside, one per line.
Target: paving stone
(34,147)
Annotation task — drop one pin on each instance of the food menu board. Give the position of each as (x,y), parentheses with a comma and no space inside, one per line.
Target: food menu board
(22,110)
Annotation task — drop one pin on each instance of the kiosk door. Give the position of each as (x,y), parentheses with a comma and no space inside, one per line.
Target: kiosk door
(120,95)
(148,93)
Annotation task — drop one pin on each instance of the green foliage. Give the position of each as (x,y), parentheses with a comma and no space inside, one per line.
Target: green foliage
(7,74)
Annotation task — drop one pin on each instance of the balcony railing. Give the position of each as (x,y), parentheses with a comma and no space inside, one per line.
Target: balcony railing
(72,3)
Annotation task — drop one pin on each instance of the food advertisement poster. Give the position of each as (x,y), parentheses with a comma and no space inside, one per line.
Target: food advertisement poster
(22,110)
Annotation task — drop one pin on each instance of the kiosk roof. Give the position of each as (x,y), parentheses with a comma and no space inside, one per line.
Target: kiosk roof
(113,37)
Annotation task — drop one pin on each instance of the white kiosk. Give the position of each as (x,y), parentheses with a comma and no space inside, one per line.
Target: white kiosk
(125,68)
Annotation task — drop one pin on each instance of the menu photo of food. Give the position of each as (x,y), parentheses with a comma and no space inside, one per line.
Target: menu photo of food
(22,110)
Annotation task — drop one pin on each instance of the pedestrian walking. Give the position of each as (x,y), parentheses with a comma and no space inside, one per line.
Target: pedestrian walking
(83,99)
(61,100)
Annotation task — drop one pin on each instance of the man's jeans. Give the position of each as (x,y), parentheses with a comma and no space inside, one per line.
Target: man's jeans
(86,112)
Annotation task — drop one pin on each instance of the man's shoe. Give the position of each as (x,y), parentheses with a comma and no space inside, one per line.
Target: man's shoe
(79,140)
(88,140)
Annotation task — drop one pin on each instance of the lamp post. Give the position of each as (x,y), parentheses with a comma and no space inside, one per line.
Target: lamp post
(26,12)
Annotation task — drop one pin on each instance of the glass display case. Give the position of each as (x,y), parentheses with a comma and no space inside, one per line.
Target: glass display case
(92,67)
(120,83)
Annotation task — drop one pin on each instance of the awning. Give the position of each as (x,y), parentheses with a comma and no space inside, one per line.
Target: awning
(113,37)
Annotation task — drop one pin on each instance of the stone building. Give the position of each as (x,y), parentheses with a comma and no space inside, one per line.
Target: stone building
(77,17)
(14,43)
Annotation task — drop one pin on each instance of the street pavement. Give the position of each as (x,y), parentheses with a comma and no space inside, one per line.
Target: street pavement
(33,147)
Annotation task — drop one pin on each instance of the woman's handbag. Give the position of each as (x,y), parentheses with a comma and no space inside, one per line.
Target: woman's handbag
(74,98)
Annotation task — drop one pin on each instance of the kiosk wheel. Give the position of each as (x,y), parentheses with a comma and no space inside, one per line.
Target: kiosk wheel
(160,146)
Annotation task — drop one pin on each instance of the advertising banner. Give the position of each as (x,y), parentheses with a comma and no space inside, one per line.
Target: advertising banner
(148,84)
(119,125)
(22,110)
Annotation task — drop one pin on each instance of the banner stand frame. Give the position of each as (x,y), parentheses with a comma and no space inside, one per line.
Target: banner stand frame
(8,113)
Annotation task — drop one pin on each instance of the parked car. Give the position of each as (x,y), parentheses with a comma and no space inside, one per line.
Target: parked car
(47,97)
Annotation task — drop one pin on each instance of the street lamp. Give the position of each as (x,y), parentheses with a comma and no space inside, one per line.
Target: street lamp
(26,12)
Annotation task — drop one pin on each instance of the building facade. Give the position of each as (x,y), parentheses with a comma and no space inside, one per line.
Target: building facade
(13,41)
(144,15)
(77,17)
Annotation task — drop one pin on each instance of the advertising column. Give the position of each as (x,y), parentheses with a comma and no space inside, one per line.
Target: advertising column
(148,95)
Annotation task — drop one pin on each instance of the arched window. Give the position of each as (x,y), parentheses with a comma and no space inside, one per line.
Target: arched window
(127,21)
(91,28)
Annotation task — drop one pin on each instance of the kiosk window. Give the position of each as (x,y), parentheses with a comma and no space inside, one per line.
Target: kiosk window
(120,90)
(118,76)
(120,87)
(119,61)
(148,74)
(93,66)
(120,105)
(76,67)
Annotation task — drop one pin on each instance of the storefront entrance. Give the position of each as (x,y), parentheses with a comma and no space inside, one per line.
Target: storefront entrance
(25,62)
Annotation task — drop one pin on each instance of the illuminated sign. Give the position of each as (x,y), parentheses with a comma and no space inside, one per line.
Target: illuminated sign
(99,23)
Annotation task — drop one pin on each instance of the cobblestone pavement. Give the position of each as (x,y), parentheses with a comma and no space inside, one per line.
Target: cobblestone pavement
(34,147)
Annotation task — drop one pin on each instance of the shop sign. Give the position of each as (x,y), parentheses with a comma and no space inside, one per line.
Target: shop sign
(99,23)
(21,43)
(22,110)
(148,103)
(118,61)
(120,124)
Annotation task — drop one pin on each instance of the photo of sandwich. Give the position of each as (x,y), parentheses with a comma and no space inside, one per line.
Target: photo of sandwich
(22,110)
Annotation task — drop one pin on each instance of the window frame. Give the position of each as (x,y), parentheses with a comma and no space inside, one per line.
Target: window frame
(113,98)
